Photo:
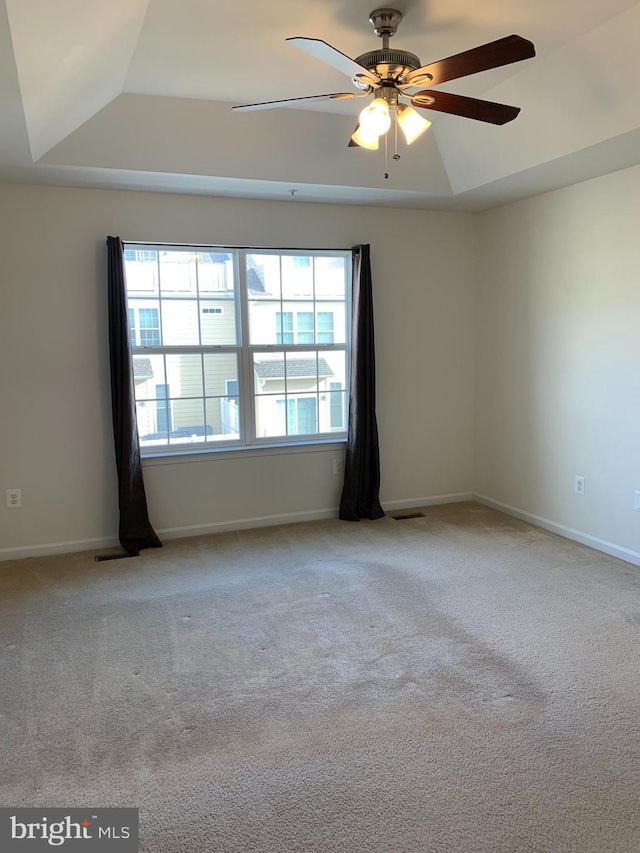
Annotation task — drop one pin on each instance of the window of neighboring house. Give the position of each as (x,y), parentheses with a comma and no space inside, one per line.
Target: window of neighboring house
(238,348)
(325,327)
(284,327)
(304,331)
(149,327)
(304,327)
(144,327)
(231,387)
(300,415)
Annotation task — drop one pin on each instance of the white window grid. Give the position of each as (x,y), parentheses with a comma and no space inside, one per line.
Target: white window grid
(246,352)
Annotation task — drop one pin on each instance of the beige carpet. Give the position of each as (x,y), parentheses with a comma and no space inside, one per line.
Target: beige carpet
(461,683)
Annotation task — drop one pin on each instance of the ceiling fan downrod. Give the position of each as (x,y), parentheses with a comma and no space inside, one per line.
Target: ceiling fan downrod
(385,23)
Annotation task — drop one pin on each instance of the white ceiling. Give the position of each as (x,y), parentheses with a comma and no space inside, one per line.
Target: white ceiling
(138,93)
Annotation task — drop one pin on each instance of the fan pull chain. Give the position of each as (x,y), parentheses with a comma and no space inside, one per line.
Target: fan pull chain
(386,157)
(396,156)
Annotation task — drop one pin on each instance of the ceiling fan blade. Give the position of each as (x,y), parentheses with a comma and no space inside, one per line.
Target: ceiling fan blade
(460,105)
(332,56)
(269,105)
(492,55)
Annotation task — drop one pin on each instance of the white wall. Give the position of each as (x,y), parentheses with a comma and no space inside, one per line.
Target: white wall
(56,442)
(559,356)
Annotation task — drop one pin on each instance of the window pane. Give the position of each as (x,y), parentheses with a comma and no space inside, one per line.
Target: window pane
(144,322)
(220,375)
(305,321)
(184,375)
(302,322)
(180,323)
(187,421)
(149,382)
(287,321)
(264,323)
(148,371)
(305,327)
(291,415)
(330,278)
(297,277)
(132,327)
(333,395)
(337,407)
(302,371)
(215,274)
(163,410)
(218,322)
(270,417)
(177,273)
(302,415)
(325,321)
(333,368)
(331,320)
(141,270)
(268,370)
(223,418)
(149,318)
(284,327)
(222,405)
(263,276)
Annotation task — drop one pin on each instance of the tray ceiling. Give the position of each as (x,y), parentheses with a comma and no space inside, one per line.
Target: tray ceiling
(138,93)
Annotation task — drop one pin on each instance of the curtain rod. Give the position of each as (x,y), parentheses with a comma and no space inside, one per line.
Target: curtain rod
(241,248)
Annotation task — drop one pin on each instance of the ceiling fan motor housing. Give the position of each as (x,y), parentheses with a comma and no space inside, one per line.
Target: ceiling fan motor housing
(390,64)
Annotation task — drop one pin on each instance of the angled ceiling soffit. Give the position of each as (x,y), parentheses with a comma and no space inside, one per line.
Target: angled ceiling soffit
(572,99)
(72,63)
(149,133)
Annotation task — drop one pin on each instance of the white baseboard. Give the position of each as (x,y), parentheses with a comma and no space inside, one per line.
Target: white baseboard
(168,533)
(568,532)
(295,517)
(51,548)
(245,523)
(409,503)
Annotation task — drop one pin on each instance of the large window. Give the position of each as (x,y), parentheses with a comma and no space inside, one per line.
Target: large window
(237,348)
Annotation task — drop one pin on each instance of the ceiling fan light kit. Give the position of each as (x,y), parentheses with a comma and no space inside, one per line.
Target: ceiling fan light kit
(391,74)
(411,123)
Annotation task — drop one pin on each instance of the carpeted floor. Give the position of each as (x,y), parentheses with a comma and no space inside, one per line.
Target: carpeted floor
(459,683)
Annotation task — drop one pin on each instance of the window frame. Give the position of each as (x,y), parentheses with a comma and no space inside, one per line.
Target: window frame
(248,442)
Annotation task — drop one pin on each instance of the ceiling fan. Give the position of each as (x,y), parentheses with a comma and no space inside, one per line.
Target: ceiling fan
(391,74)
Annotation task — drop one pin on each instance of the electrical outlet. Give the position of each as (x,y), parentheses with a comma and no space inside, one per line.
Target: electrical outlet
(579,485)
(14,498)
(338,466)
(636,500)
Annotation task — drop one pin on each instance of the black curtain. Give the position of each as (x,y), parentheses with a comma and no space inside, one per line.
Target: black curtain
(360,493)
(136,531)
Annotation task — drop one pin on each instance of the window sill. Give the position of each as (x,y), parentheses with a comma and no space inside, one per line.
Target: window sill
(182,457)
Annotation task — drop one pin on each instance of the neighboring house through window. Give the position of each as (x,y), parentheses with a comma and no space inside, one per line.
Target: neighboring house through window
(237,348)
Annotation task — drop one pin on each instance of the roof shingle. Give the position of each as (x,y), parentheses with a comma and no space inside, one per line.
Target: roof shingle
(297,368)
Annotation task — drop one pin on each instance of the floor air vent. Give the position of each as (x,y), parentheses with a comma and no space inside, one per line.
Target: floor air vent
(102,557)
(407,515)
